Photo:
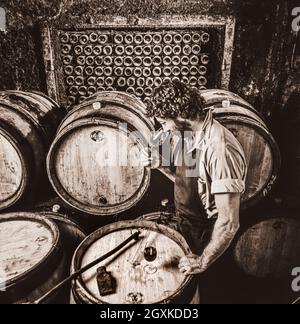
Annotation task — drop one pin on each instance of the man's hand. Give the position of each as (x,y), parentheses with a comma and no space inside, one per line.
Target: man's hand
(225,229)
(146,159)
(149,161)
(191,265)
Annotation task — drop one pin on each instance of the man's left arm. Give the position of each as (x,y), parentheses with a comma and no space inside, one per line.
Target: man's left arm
(225,229)
(226,165)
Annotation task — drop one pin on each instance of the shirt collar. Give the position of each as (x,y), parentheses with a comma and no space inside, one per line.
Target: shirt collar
(201,133)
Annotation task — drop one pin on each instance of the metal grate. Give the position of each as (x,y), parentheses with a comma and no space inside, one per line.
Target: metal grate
(134,60)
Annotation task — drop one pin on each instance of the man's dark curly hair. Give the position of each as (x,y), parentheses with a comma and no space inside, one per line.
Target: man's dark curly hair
(175,99)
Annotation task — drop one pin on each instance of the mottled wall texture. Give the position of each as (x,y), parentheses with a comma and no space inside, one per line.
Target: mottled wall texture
(263,71)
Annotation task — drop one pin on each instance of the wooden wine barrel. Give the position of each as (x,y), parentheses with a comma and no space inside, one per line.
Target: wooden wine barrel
(269,249)
(94,163)
(31,257)
(139,280)
(261,151)
(28,122)
(71,232)
(112,105)
(215,97)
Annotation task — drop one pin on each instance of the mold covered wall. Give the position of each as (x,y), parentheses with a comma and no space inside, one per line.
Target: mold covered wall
(263,44)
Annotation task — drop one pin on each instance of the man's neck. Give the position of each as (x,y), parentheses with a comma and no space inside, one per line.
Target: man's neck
(197,131)
(197,126)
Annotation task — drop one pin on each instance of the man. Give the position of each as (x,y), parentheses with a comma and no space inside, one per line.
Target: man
(208,190)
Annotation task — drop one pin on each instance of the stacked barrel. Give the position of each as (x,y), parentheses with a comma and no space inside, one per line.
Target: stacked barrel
(35,247)
(94,163)
(112,126)
(150,277)
(35,255)
(261,151)
(28,123)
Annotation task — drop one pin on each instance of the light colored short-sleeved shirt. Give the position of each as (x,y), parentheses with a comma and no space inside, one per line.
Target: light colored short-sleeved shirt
(221,167)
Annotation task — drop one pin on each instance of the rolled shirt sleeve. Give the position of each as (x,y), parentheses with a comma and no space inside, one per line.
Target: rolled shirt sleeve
(227,168)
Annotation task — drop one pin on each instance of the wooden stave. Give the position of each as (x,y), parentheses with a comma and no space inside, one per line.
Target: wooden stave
(77,297)
(42,116)
(23,152)
(58,274)
(124,101)
(235,110)
(215,97)
(276,158)
(44,113)
(21,123)
(72,235)
(49,100)
(134,115)
(32,284)
(111,112)
(120,97)
(64,194)
(31,159)
(186,294)
(68,227)
(253,270)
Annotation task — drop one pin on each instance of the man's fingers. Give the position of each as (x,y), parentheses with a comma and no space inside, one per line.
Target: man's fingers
(146,161)
(194,256)
(190,265)
(188,257)
(185,265)
(149,161)
(183,260)
(185,269)
(188,261)
(194,272)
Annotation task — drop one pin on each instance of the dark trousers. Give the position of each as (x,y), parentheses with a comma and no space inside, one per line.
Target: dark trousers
(197,230)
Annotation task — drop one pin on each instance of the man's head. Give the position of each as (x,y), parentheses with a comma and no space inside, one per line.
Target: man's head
(175,105)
